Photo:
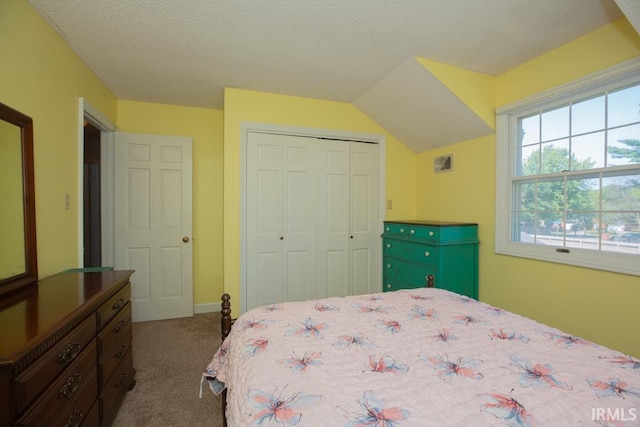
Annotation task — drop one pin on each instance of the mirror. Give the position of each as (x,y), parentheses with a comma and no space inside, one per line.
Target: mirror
(18,260)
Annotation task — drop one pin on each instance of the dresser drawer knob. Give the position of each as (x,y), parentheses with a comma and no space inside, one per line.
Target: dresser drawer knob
(431,233)
(389,286)
(75,419)
(121,324)
(123,350)
(388,245)
(70,386)
(427,253)
(388,265)
(387,228)
(402,230)
(69,353)
(412,231)
(118,304)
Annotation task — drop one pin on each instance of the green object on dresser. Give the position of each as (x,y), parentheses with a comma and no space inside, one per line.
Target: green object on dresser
(413,250)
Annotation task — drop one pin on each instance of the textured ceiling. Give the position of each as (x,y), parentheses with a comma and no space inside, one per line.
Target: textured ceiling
(186,52)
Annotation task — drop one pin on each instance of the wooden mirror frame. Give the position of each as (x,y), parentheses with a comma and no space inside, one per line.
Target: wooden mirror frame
(30,276)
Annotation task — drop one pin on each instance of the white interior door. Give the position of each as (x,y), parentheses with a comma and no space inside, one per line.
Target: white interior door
(281,212)
(153,223)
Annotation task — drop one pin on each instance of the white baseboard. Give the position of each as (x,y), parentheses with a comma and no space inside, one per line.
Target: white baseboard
(207,308)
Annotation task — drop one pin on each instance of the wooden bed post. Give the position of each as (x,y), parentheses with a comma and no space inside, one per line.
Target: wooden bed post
(225,330)
(225,318)
(430,281)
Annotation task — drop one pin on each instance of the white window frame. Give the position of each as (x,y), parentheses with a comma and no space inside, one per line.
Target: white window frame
(625,73)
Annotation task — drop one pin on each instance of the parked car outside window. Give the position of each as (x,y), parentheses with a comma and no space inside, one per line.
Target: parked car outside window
(627,237)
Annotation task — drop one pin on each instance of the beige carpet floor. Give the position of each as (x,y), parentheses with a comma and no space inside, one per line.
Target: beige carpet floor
(169,356)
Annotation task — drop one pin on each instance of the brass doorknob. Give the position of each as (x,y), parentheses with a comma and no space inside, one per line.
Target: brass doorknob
(185,239)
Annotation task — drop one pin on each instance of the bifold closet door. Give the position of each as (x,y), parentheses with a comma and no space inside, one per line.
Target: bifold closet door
(281,218)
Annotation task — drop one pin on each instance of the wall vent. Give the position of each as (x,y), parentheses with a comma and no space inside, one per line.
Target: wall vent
(443,163)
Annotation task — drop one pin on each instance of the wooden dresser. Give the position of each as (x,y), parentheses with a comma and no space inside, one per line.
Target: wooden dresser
(446,252)
(65,350)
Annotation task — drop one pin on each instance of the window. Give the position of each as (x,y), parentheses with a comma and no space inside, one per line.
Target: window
(568,173)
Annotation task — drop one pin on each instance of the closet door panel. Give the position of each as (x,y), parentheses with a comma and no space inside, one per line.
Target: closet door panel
(364,223)
(264,219)
(300,217)
(333,218)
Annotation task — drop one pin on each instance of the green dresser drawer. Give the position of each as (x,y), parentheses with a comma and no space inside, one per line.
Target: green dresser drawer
(407,272)
(393,284)
(412,231)
(411,251)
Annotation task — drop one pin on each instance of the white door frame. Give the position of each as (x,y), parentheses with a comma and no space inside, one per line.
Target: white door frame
(100,121)
(247,127)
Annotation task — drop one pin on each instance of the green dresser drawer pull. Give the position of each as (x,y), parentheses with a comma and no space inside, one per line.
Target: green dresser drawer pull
(388,265)
(412,231)
(427,253)
(388,245)
(387,229)
(389,286)
(402,230)
(431,233)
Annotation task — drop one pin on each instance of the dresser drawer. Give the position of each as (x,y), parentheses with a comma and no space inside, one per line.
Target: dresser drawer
(77,382)
(32,381)
(112,306)
(413,231)
(118,326)
(112,355)
(81,410)
(393,284)
(410,251)
(413,274)
(115,389)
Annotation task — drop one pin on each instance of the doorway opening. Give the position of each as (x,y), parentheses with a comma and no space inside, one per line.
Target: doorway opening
(92,218)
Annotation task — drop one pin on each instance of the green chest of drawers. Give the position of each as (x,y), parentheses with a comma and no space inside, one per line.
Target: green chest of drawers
(414,250)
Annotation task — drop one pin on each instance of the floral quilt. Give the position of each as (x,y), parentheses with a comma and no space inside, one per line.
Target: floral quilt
(419,357)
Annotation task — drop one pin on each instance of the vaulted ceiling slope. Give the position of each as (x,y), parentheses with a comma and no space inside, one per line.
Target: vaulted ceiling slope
(356,51)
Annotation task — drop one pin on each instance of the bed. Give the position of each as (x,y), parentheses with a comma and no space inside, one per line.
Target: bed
(417,357)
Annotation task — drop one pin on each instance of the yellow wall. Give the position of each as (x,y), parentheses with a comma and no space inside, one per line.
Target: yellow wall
(205,127)
(43,78)
(593,304)
(258,107)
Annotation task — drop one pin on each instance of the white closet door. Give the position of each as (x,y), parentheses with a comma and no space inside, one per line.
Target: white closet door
(281,218)
(333,218)
(364,221)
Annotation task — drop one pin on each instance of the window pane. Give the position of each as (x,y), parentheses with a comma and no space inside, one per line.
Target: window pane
(624,106)
(555,124)
(588,151)
(526,194)
(525,227)
(530,160)
(555,156)
(622,193)
(623,146)
(550,196)
(530,129)
(587,116)
(583,197)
